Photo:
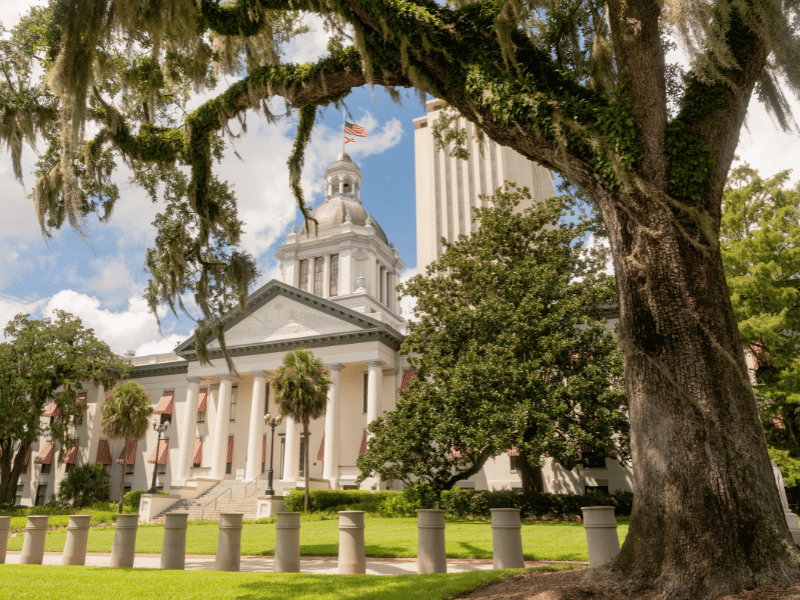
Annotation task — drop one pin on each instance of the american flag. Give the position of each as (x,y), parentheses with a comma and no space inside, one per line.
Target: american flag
(353,129)
(348,140)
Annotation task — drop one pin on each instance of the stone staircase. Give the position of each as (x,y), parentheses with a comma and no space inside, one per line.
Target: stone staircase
(224,497)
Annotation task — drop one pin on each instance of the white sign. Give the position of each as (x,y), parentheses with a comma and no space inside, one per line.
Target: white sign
(240,474)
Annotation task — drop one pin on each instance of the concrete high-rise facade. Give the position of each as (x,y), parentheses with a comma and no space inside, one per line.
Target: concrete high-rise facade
(448,189)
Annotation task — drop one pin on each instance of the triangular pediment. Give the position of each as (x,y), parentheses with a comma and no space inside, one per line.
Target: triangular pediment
(278,313)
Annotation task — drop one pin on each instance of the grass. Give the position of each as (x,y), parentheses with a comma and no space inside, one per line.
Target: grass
(88,583)
(384,538)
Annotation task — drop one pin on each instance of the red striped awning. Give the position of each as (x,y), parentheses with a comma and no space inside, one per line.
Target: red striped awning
(230,449)
(103,453)
(321,453)
(163,452)
(202,399)
(82,397)
(164,406)
(131,453)
(513,452)
(52,410)
(408,375)
(45,456)
(71,454)
(363,449)
(198,451)
(456,453)
(264,449)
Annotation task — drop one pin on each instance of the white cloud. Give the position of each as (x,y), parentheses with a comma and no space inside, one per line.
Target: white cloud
(408,303)
(11,307)
(311,46)
(131,329)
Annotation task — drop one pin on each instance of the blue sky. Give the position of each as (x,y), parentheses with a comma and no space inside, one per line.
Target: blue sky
(101,280)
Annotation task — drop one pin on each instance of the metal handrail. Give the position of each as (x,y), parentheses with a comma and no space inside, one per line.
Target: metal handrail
(214,501)
(256,478)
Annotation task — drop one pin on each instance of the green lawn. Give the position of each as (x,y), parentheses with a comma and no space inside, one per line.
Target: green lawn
(88,583)
(383,537)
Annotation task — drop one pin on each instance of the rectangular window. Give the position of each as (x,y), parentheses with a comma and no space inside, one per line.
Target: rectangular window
(162,469)
(228,468)
(234,393)
(319,273)
(334,282)
(514,465)
(266,399)
(68,467)
(46,468)
(380,285)
(388,290)
(20,491)
(302,470)
(304,275)
(41,494)
(127,489)
(603,489)
(165,417)
(201,416)
(366,388)
(282,455)
(594,460)
(129,469)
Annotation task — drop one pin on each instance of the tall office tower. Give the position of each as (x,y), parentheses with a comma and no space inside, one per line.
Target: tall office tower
(448,188)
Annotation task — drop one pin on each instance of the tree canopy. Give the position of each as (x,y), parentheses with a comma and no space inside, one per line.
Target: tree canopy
(45,364)
(760,239)
(511,353)
(583,88)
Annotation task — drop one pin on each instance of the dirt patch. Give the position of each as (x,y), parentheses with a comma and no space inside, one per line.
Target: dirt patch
(575,585)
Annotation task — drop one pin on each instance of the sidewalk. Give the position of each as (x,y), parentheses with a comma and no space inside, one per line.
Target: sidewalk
(323,565)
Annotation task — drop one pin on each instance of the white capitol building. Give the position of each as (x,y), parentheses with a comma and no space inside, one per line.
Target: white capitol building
(336,297)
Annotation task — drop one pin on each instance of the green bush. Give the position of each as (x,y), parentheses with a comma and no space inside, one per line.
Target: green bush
(399,505)
(474,503)
(328,500)
(130,502)
(84,486)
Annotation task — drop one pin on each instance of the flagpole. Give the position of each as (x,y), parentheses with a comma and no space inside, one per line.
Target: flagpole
(344,120)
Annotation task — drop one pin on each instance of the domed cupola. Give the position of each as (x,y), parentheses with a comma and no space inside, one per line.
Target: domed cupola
(342,200)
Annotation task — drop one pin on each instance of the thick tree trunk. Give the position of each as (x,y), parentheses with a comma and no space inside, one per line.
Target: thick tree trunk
(11,468)
(532,478)
(706,517)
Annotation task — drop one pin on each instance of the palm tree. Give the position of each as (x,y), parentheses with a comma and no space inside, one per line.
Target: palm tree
(300,387)
(126,415)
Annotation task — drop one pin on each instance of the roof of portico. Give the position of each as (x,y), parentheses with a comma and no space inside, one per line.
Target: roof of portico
(364,327)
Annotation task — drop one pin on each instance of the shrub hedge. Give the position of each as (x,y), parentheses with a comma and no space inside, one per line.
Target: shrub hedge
(130,501)
(328,500)
(462,502)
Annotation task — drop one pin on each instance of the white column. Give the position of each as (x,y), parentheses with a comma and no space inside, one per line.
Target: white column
(188,429)
(331,466)
(374,387)
(326,276)
(291,458)
(220,449)
(256,425)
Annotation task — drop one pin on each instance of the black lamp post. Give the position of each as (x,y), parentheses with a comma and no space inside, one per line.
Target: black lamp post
(272,422)
(160,429)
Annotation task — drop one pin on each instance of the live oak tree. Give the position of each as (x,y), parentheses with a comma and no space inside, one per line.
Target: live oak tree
(44,361)
(760,241)
(511,352)
(581,87)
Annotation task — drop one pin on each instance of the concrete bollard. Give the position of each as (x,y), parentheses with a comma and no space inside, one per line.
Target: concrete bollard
(601,534)
(173,551)
(507,539)
(352,558)
(229,542)
(77,539)
(33,544)
(124,549)
(431,557)
(287,542)
(5,525)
